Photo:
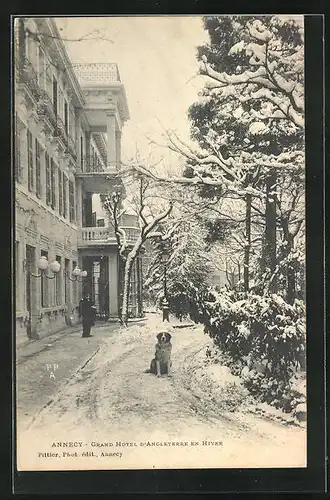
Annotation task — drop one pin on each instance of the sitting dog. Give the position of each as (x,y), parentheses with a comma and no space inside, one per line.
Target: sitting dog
(161,364)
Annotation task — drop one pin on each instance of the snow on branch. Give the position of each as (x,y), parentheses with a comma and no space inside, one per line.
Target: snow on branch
(274,74)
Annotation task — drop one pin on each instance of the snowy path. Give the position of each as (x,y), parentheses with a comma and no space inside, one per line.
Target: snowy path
(111,399)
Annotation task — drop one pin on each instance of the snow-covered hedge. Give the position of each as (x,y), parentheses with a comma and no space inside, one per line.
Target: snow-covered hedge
(264,338)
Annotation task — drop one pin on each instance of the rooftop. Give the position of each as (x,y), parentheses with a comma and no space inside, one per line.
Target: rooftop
(96,73)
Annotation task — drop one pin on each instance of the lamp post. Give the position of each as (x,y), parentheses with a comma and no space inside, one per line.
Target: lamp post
(165,303)
(76,273)
(42,265)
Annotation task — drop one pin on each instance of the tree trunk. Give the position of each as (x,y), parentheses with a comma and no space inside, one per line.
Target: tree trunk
(269,247)
(291,283)
(290,271)
(126,289)
(247,246)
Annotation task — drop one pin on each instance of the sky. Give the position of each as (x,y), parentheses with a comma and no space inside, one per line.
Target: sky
(157,62)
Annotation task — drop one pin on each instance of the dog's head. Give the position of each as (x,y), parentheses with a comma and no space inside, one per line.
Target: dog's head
(164,337)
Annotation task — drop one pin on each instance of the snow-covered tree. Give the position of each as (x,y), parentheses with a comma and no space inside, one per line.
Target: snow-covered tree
(248,123)
(190,266)
(149,218)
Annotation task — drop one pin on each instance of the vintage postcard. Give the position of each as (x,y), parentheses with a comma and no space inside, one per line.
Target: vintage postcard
(159,170)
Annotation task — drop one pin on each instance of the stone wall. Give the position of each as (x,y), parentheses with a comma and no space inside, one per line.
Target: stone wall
(45,231)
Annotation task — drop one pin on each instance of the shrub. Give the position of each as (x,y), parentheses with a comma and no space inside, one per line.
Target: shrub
(264,337)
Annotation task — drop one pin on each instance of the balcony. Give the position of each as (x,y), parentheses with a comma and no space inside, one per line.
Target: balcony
(96,176)
(90,164)
(104,236)
(45,108)
(28,76)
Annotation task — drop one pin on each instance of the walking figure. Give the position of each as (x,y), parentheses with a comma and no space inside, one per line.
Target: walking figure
(87,311)
(166,310)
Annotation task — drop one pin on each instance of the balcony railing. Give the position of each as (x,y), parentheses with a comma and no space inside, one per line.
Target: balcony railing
(45,107)
(91,164)
(71,149)
(28,76)
(97,73)
(60,131)
(91,236)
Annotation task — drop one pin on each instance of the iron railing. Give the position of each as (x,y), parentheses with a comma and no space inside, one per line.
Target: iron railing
(71,148)
(62,132)
(45,107)
(29,76)
(91,164)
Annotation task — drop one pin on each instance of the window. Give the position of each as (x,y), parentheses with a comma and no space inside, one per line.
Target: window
(38,169)
(55,95)
(52,184)
(48,181)
(66,117)
(65,190)
(44,284)
(30,267)
(81,153)
(58,284)
(67,281)
(17,158)
(72,203)
(30,161)
(60,192)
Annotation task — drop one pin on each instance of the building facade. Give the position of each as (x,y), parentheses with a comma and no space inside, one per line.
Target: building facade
(68,122)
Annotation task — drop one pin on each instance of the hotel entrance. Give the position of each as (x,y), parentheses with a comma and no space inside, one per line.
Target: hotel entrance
(97,283)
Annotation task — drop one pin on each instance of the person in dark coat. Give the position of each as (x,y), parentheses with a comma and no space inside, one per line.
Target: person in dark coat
(87,312)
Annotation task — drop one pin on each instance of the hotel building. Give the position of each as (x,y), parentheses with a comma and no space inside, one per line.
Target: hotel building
(68,121)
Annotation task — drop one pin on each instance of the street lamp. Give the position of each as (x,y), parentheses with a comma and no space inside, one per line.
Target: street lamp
(165,304)
(42,265)
(76,273)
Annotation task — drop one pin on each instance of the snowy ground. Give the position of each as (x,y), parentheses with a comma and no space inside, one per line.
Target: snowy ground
(117,416)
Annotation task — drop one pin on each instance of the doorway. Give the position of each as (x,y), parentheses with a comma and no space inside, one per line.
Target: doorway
(97,283)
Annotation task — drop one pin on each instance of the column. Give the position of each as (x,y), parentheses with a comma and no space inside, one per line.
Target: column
(77,135)
(111,138)
(113,285)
